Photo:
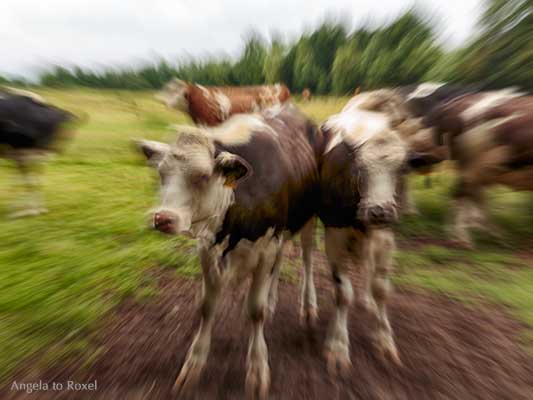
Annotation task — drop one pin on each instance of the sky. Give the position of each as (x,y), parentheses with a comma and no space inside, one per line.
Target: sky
(35,34)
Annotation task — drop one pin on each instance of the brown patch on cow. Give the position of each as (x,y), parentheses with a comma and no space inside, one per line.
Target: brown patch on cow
(211,105)
(449,350)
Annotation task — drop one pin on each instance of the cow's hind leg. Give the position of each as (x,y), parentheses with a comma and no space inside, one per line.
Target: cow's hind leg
(337,346)
(199,350)
(379,249)
(308,305)
(258,371)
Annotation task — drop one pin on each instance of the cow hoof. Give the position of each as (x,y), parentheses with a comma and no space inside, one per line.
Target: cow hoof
(258,381)
(387,351)
(338,359)
(189,376)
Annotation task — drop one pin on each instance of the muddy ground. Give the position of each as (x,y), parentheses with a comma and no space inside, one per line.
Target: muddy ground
(449,350)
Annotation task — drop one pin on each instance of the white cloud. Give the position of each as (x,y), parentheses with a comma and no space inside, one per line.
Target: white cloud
(36,33)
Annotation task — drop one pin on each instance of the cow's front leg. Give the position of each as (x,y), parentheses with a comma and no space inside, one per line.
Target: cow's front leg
(199,350)
(308,305)
(258,371)
(337,346)
(31,203)
(380,249)
(274,281)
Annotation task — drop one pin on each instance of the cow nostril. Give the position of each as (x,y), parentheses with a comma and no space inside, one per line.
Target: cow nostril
(162,220)
(377,212)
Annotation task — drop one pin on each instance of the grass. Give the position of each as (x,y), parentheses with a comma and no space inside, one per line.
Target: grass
(61,272)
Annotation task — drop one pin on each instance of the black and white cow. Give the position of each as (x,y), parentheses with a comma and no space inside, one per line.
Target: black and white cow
(30,129)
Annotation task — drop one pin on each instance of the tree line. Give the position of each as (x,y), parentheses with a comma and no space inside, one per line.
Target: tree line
(333,60)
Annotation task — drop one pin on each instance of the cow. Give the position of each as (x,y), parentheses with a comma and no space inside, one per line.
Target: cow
(306,95)
(212,105)
(361,167)
(218,187)
(490,135)
(29,130)
(420,140)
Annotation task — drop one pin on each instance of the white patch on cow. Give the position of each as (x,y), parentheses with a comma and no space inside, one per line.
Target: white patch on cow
(204,90)
(382,156)
(26,93)
(354,124)
(355,127)
(488,101)
(424,90)
(337,139)
(239,129)
(224,105)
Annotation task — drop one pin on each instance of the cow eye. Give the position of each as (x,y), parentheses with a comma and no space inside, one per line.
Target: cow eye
(199,179)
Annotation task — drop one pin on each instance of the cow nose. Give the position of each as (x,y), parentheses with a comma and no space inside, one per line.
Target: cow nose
(381,214)
(165,222)
(377,213)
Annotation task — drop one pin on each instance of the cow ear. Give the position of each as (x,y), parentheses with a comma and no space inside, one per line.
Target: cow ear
(234,168)
(153,151)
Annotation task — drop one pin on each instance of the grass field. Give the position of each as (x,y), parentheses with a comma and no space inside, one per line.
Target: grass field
(61,272)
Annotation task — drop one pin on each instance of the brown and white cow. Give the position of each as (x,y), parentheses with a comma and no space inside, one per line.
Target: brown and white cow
(239,189)
(490,135)
(361,169)
(391,103)
(218,185)
(211,105)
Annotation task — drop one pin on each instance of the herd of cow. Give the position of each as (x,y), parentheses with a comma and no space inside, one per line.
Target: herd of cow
(255,171)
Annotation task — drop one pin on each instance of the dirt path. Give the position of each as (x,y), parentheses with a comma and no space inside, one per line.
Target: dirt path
(449,351)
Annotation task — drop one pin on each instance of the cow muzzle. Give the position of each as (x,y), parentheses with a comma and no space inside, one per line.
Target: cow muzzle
(165,222)
(379,214)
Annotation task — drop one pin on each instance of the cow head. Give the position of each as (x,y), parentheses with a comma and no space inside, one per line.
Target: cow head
(379,163)
(175,95)
(196,182)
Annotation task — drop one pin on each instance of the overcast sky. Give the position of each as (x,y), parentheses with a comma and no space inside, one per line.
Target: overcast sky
(37,33)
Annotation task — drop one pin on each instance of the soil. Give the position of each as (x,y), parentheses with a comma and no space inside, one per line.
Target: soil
(448,350)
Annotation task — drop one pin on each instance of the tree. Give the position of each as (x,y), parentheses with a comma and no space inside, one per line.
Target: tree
(249,69)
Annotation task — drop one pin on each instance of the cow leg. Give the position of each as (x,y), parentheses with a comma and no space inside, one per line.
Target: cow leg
(480,218)
(379,251)
(308,305)
(337,346)
(408,204)
(258,371)
(32,203)
(199,350)
(461,222)
(274,281)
